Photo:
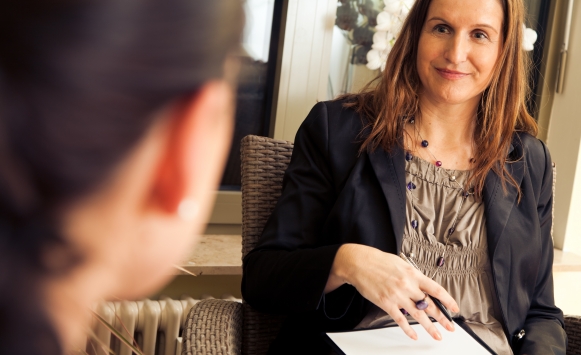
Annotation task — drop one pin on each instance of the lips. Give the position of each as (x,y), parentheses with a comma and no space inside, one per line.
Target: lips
(451,74)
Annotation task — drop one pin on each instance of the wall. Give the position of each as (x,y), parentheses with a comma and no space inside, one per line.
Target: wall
(564,140)
(305,63)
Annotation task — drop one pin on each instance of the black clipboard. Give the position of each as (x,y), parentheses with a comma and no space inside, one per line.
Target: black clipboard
(459,321)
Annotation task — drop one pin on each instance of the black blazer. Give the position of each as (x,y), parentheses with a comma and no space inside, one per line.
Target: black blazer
(333,195)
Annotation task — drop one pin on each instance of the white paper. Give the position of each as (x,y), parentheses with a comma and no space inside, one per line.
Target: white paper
(394,341)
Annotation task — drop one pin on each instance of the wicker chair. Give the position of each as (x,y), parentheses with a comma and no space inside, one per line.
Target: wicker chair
(221,327)
(573,329)
(225,327)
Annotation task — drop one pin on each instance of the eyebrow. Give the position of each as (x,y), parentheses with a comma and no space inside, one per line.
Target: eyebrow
(476,25)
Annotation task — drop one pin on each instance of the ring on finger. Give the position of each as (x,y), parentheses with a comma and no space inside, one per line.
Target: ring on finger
(423,303)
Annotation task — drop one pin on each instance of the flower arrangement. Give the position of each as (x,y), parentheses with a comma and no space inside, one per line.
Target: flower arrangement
(357,20)
(389,22)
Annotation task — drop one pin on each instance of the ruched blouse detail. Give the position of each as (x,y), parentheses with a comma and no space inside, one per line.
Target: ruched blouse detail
(434,201)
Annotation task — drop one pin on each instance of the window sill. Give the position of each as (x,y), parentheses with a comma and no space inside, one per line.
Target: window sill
(566,261)
(222,255)
(216,255)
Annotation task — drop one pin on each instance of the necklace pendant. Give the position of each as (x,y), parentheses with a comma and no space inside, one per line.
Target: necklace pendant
(411,186)
(438,163)
(453,178)
(440,262)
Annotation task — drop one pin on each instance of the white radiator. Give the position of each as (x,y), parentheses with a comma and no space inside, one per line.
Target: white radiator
(155,325)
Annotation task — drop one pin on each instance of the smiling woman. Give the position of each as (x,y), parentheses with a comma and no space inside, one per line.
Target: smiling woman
(458,50)
(503,88)
(437,163)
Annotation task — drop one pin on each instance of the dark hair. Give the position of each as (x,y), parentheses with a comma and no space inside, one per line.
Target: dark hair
(79,83)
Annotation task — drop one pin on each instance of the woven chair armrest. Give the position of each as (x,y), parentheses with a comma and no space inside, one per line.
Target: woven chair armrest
(213,327)
(573,330)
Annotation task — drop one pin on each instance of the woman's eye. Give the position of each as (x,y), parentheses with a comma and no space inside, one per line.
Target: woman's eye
(440,29)
(480,35)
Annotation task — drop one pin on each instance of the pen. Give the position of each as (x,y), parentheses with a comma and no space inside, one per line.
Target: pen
(437,302)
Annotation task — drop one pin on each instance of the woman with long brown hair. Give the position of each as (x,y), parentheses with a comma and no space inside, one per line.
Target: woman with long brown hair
(438,166)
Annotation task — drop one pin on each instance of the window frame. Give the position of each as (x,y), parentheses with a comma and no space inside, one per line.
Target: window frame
(301,74)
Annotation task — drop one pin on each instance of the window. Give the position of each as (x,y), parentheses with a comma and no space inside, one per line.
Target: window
(255,82)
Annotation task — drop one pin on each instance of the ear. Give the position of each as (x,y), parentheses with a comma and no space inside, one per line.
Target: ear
(198,140)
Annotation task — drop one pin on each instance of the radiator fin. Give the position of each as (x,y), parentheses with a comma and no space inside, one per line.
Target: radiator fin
(155,325)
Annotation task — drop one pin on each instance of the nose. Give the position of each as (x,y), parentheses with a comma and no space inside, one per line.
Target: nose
(456,49)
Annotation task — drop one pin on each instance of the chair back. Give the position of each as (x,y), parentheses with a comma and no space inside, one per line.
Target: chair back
(264,161)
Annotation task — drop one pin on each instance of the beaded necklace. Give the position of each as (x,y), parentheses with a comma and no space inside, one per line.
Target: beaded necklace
(463,194)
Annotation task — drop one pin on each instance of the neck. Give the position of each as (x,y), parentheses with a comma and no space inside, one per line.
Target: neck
(454,124)
(449,129)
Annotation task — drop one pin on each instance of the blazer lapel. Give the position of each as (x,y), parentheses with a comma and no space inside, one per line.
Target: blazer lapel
(498,204)
(390,171)
(498,207)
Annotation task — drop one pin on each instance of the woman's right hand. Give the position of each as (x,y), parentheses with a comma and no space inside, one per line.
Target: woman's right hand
(390,283)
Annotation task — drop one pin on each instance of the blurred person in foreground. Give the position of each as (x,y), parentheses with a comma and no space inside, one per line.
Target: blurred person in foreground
(438,164)
(115,120)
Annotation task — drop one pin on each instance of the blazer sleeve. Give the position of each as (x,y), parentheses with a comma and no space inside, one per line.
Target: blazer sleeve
(544,332)
(288,270)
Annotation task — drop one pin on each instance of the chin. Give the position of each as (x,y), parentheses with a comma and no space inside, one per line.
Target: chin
(455,96)
(455,100)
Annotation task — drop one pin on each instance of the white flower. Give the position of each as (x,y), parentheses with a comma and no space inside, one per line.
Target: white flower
(373,59)
(407,7)
(397,7)
(529,38)
(385,21)
(382,40)
(396,27)
(389,23)
(393,6)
